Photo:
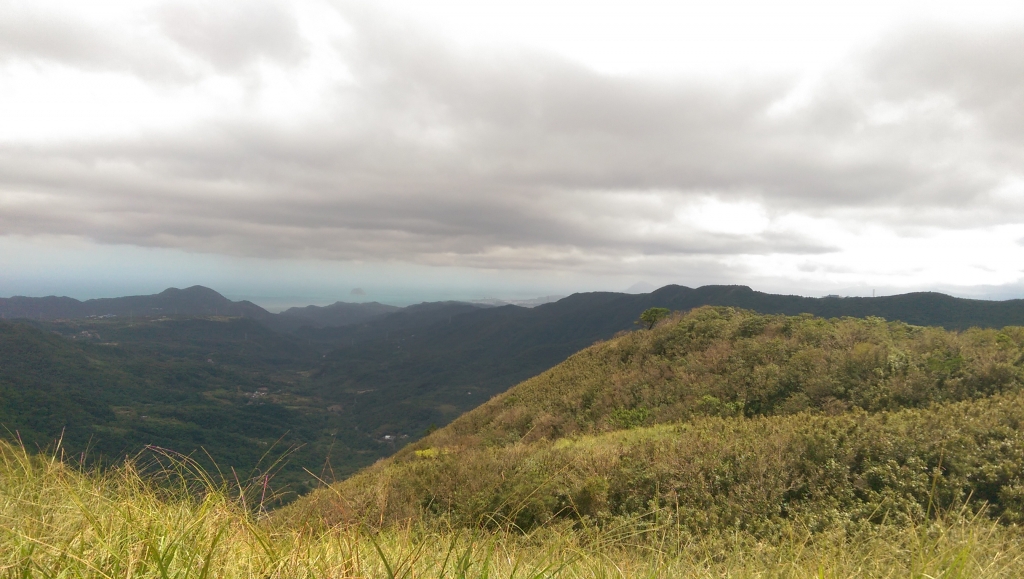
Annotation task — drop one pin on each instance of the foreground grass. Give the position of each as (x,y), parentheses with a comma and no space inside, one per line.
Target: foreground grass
(58,521)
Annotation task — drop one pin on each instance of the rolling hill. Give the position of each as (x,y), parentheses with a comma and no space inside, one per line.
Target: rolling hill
(724,419)
(361,390)
(403,373)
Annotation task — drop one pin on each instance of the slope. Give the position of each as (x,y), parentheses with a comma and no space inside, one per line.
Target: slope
(723,417)
(401,374)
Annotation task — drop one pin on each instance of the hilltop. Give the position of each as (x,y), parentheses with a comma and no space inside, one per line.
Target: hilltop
(724,418)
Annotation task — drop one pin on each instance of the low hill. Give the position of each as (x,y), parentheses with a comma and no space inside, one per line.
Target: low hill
(723,417)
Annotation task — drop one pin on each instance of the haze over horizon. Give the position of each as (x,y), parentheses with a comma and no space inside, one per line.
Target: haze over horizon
(289,151)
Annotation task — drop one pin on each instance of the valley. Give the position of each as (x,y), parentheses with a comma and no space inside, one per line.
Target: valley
(315,399)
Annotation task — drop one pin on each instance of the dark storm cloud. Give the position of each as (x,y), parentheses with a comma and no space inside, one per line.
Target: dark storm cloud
(434,155)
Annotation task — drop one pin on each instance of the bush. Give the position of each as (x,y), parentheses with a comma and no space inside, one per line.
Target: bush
(715,474)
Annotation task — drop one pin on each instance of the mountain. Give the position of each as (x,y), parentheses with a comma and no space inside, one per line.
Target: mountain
(380,328)
(193,301)
(199,301)
(371,386)
(641,287)
(407,371)
(724,420)
(336,314)
(922,308)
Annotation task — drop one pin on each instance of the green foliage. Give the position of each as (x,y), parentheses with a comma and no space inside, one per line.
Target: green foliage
(712,475)
(727,362)
(223,391)
(727,419)
(629,417)
(57,520)
(652,316)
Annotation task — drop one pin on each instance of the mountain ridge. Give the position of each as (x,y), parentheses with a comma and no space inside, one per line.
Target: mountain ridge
(920,308)
(195,300)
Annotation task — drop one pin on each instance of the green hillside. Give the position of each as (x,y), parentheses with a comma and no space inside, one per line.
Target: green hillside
(403,372)
(390,374)
(725,418)
(57,520)
(346,396)
(728,362)
(722,443)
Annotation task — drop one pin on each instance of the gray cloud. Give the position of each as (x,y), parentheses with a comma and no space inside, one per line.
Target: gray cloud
(494,160)
(231,36)
(29,34)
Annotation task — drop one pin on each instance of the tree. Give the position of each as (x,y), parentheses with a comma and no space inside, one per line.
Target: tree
(652,316)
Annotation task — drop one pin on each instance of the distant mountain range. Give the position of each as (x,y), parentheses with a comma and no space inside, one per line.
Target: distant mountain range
(920,308)
(193,301)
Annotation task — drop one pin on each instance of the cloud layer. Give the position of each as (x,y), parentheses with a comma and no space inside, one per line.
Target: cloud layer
(332,131)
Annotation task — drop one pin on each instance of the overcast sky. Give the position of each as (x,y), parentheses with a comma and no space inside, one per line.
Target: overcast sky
(290,151)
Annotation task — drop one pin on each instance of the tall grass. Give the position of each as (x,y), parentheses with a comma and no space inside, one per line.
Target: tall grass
(57,520)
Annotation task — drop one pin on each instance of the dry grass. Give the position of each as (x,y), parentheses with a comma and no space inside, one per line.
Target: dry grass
(58,521)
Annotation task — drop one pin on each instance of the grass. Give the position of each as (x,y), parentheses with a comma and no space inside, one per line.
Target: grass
(58,520)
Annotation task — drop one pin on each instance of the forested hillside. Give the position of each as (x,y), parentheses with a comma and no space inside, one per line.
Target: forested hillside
(221,390)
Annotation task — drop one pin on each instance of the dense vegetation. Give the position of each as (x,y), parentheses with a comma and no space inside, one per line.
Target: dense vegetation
(727,362)
(390,374)
(345,396)
(58,521)
(724,418)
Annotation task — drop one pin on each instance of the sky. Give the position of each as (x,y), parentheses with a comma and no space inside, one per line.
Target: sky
(291,151)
